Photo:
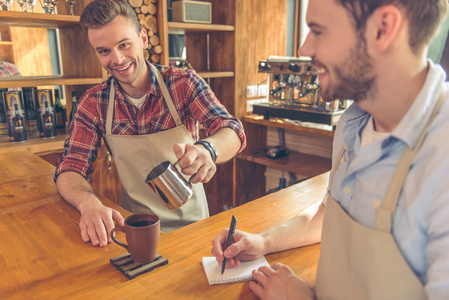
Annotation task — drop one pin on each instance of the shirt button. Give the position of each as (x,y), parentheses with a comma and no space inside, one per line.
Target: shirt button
(377,203)
(347,190)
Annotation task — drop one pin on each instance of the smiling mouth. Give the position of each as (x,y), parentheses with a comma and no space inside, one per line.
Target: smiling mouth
(122,68)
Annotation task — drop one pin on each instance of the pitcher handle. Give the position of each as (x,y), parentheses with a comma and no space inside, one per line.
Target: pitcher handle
(176,163)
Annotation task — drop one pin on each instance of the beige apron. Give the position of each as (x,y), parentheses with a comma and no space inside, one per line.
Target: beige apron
(358,262)
(136,155)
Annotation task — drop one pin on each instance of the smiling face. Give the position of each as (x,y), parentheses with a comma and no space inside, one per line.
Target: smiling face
(119,47)
(338,51)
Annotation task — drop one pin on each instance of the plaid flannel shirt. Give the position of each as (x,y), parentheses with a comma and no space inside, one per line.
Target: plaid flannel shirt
(8,69)
(193,99)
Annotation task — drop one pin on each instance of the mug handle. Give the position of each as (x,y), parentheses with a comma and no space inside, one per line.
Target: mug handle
(122,229)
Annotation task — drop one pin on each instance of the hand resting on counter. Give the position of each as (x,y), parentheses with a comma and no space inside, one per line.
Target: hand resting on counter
(97,220)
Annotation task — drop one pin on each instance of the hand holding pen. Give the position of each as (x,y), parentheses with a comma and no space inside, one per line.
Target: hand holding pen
(229,241)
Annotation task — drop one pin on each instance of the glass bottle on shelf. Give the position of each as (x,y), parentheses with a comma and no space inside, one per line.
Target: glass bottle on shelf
(74,104)
(59,111)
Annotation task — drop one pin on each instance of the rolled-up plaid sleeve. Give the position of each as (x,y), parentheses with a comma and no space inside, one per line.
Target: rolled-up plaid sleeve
(80,149)
(208,110)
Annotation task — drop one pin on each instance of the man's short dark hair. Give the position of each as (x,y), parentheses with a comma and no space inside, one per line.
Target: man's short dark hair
(100,12)
(425,17)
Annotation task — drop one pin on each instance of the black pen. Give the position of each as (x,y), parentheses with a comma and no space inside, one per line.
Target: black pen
(229,241)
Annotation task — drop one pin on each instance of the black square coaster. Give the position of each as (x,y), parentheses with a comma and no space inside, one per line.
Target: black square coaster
(130,269)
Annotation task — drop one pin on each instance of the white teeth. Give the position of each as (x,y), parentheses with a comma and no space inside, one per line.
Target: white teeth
(122,69)
(320,71)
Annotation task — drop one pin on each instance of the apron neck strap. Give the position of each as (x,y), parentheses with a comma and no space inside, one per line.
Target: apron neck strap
(384,215)
(110,114)
(336,165)
(165,93)
(167,97)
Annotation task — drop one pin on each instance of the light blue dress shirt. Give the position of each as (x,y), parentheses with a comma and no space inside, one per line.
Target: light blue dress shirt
(421,221)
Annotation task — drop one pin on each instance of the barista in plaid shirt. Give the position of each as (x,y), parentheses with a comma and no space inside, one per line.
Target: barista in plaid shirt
(140,120)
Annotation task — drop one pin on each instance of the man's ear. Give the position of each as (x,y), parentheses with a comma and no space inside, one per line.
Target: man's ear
(144,38)
(384,26)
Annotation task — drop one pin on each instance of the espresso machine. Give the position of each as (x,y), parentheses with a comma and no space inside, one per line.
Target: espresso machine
(294,93)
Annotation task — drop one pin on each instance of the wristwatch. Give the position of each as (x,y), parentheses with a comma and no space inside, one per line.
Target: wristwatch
(209,147)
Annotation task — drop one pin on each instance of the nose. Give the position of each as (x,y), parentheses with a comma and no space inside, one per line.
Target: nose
(117,57)
(306,49)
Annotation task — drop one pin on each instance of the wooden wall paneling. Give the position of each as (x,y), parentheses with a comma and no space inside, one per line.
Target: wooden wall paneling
(74,43)
(219,190)
(223,51)
(223,12)
(31,51)
(224,90)
(196,50)
(261,28)
(250,177)
(250,181)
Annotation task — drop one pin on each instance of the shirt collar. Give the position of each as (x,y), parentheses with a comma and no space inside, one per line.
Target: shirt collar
(120,96)
(414,121)
(412,124)
(154,87)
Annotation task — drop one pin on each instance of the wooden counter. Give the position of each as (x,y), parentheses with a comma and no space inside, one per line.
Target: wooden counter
(43,257)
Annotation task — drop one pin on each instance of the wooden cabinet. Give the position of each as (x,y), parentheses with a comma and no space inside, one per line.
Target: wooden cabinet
(6,46)
(80,67)
(104,179)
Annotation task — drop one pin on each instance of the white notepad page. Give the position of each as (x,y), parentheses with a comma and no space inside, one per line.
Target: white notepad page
(241,273)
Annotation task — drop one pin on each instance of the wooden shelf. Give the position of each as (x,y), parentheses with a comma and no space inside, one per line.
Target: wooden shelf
(192,27)
(5,43)
(296,162)
(27,19)
(207,74)
(30,81)
(34,143)
(281,123)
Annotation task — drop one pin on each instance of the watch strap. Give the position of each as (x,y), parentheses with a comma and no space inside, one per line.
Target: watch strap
(209,147)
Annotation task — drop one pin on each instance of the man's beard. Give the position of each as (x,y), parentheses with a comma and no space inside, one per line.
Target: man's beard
(353,79)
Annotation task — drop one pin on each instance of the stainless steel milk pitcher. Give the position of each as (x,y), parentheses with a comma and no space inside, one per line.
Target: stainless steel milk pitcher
(169,184)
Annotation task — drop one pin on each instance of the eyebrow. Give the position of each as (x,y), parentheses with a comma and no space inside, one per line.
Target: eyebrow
(313,24)
(119,42)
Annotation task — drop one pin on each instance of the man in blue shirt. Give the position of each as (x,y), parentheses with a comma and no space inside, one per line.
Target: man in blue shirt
(383,226)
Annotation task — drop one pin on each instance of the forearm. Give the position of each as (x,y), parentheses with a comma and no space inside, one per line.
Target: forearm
(76,190)
(302,230)
(226,142)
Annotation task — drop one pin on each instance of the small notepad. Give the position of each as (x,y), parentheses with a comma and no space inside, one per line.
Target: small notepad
(241,273)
